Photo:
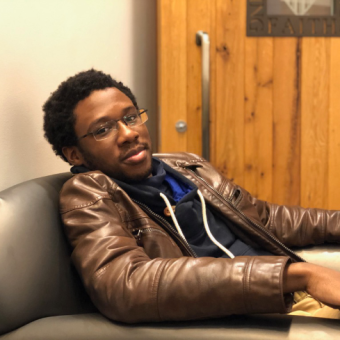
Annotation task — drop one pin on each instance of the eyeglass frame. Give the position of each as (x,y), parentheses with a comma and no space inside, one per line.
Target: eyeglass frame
(141,111)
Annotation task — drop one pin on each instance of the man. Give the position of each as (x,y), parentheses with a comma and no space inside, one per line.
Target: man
(169,238)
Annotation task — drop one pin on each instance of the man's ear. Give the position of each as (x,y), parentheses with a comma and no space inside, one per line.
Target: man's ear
(73,155)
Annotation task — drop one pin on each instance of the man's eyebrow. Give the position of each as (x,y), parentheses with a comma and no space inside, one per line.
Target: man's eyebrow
(108,118)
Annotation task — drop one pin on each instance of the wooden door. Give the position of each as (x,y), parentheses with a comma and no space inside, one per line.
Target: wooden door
(274,102)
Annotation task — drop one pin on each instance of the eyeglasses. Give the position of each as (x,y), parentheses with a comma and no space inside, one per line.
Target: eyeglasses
(111,127)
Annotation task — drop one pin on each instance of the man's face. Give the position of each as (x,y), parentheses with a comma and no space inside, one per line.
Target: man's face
(126,153)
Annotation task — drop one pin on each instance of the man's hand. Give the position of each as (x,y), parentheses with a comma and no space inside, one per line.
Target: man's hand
(322,283)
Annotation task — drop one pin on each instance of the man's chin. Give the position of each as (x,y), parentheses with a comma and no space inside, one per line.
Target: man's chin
(129,176)
(136,177)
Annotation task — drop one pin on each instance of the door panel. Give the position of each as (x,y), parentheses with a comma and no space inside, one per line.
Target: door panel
(172,72)
(274,102)
(314,120)
(230,89)
(334,127)
(286,122)
(258,103)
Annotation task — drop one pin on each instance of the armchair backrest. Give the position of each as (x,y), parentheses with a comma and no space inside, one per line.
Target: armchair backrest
(36,275)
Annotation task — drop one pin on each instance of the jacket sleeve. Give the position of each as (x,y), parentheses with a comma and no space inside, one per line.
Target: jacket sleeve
(294,225)
(126,285)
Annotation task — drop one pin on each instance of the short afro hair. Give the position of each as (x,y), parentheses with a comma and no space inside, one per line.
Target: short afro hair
(59,118)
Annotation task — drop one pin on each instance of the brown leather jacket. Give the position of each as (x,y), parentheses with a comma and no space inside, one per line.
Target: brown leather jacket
(136,268)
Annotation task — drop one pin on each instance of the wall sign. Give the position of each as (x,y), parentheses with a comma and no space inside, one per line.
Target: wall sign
(293,18)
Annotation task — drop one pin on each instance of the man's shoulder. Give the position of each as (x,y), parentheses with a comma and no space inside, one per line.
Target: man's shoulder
(89,178)
(85,188)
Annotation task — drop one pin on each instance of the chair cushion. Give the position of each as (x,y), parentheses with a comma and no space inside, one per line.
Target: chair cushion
(37,278)
(252,327)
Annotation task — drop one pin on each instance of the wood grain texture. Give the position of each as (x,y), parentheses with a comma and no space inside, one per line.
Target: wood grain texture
(213,83)
(286,121)
(172,81)
(275,102)
(258,117)
(315,122)
(334,127)
(229,129)
(201,18)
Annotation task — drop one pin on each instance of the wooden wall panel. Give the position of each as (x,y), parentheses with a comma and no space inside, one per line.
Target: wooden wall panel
(334,127)
(213,82)
(258,117)
(172,80)
(229,134)
(201,18)
(314,122)
(275,102)
(286,121)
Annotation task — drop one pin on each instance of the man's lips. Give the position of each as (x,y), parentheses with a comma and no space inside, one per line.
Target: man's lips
(135,155)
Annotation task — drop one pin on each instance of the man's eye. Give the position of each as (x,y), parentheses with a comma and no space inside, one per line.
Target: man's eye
(101,131)
(131,119)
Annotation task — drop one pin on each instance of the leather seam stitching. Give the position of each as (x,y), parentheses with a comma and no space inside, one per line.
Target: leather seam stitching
(81,206)
(160,270)
(246,285)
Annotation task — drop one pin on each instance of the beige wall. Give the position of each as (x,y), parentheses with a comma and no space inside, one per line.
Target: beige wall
(44,42)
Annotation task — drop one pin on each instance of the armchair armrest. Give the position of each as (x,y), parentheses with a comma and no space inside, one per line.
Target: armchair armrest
(327,255)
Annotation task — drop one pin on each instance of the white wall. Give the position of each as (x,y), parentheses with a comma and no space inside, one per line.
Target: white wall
(42,42)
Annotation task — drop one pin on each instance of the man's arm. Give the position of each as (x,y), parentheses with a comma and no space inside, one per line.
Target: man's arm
(292,225)
(322,283)
(295,226)
(127,285)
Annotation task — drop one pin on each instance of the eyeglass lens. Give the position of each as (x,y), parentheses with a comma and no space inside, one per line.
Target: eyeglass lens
(111,126)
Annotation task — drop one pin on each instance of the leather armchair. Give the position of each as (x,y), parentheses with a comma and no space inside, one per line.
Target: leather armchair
(41,295)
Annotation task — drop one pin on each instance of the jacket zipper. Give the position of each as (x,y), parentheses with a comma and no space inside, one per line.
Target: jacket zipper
(247,219)
(167,226)
(146,230)
(238,199)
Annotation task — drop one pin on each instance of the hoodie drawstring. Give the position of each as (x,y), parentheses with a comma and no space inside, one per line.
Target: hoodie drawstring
(205,222)
(174,219)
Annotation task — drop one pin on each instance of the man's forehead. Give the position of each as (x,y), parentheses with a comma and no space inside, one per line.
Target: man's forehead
(100,102)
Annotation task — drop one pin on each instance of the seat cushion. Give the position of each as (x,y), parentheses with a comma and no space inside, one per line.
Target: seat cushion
(37,278)
(255,327)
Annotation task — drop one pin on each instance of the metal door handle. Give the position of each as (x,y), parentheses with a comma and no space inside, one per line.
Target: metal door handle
(202,39)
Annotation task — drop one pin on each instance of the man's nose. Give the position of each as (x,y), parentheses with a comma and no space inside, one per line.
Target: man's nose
(126,134)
